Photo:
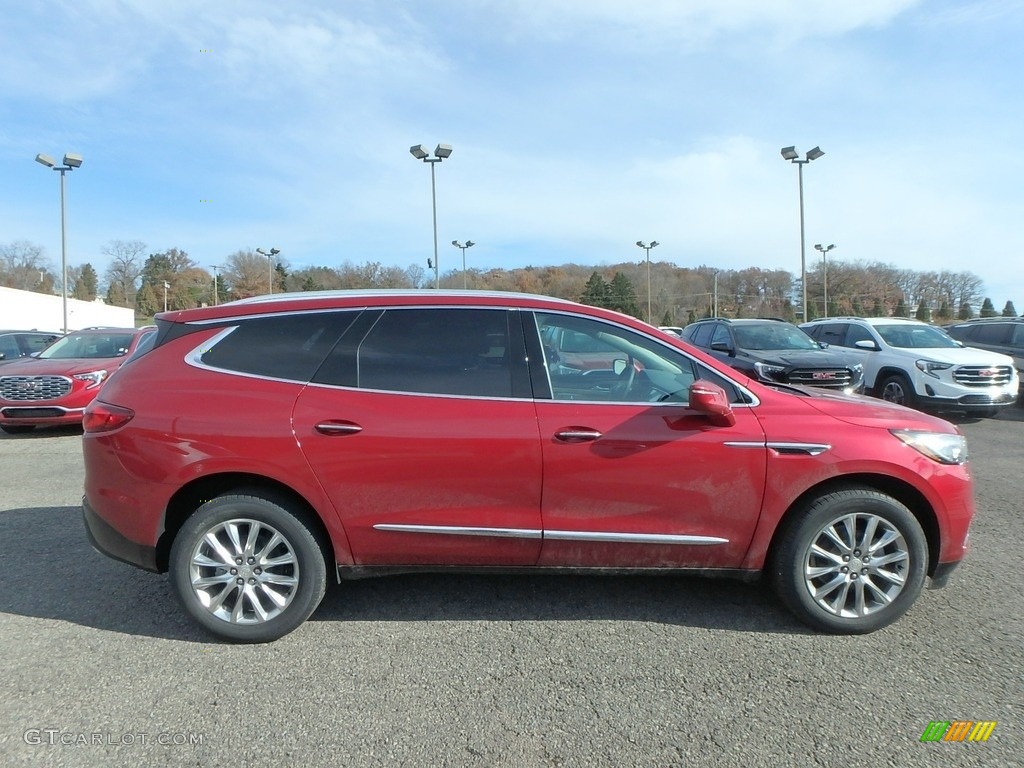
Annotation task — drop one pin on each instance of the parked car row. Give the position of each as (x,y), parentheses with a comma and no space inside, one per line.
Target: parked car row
(907,362)
(260,446)
(53,386)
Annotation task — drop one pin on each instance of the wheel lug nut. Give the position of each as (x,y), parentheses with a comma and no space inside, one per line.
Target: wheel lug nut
(238,560)
(846,558)
(234,571)
(844,569)
(252,560)
(257,571)
(252,581)
(240,580)
(854,575)
(864,572)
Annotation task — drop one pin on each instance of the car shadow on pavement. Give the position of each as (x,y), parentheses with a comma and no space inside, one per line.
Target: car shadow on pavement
(41,433)
(50,571)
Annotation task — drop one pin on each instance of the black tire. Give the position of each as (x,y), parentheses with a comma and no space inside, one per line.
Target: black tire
(897,388)
(268,602)
(866,596)
(17,429)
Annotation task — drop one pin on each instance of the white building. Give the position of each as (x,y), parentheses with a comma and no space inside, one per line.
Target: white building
(25,310)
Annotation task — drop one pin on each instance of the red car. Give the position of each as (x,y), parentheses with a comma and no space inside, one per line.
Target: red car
(56,385)
(263,445)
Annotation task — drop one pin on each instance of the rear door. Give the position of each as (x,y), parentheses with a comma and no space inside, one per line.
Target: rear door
(422,430)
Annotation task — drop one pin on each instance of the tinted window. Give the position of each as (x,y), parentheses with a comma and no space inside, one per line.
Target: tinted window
(635,368)
(438,351)
(990,333)
(721,335)
(9,347)
(858,333)
(283,347)
(832,333)
(907,336)
(702,334)
(36,343)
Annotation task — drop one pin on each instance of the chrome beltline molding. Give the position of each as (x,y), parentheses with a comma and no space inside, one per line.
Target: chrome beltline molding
(804,449)
(533,533)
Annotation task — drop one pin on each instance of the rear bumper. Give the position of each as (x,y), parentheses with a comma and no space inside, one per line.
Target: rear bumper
(942,573)
(109,542)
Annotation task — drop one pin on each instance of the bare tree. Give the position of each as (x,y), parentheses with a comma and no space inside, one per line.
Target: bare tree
(246,274)
(23,266)
(125,267)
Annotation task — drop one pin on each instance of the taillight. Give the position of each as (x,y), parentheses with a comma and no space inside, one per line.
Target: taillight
(104,417)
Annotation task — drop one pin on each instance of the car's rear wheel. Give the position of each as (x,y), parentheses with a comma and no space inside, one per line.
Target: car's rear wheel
(850,562)
(247,568)
(897,389)
(17,429)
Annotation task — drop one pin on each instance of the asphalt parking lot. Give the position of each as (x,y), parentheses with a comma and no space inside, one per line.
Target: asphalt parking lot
(101,667)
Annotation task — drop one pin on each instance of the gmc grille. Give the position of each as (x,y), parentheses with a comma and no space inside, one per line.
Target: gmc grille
(835,378)
(22,389)
(983,375)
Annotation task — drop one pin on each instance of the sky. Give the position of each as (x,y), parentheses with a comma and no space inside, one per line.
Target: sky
(578,127)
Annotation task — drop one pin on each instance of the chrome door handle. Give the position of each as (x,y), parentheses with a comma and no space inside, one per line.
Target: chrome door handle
(337,428)
(577,435)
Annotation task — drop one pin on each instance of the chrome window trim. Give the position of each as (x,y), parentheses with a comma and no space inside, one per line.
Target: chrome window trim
(809,449)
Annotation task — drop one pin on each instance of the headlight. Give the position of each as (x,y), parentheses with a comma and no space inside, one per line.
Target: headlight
(93,378)
(938,446)
(930,366)
(769,372)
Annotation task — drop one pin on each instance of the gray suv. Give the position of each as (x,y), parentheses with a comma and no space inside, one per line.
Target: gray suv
(996,334)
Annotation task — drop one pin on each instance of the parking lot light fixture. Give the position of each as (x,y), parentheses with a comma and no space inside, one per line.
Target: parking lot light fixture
(270,258)
(647,248)
(71,161)
(824,270)
(790,154)
(441,152)
(469,244)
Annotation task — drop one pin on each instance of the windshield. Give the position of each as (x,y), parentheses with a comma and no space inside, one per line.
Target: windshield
(915,337)
(772,336)
(88,345)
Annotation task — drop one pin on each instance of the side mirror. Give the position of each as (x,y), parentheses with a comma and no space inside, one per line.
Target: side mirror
(721,346)
(3,356)
(619,366)
(866,344)
(710,399)
(823,345)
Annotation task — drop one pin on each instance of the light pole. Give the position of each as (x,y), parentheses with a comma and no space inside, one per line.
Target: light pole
(790,153)
(166,286)
(469,244)
(215,267)
(270,259)
(71,161)
(715,295)
(654,244)
(824,269)
(440,153)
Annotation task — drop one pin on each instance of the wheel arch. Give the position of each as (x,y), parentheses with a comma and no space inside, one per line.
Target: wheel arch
(892,370)
(194,494)
(902,491)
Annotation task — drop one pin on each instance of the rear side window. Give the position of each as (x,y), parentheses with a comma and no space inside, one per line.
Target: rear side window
(287,347)
(438,351)
(702,334)
(991,333)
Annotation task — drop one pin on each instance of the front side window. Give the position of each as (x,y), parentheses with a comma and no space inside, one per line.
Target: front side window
(992,333)
(721,336)
(625,366)
(443,351)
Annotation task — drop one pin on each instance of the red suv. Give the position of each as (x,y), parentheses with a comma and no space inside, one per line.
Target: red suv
(54,386)
(264,445)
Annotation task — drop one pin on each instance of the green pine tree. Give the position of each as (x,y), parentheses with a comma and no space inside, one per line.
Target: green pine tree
(621,296)
(1009,310)
(901,309)
(987,310)
(595,292)
(924,312)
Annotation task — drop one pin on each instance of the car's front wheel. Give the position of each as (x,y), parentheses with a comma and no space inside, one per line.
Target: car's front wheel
(897,389)
(852,561)
(247,568)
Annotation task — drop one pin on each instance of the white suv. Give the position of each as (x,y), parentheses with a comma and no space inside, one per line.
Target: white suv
(919,365)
